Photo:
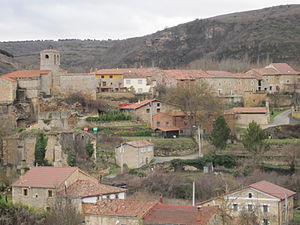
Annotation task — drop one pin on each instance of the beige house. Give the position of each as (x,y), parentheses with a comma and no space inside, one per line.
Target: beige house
(134,154)
(146,109)
(245,115)
(41,187)
(272,204)
(117,211)
(276,77)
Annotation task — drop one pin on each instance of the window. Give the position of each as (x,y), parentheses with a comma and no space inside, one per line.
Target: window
(158,123)
(235,207)
(25,192)
(167,124)
(270,88)
(158,104)
(102,76)
(250,207)
(157,110)
(47,56)
(265,222)
(36,195)
(250,195)
(50,193)
(104,83)
(147,110)
(140,81)
(110,76)
(265,208)
(128,81)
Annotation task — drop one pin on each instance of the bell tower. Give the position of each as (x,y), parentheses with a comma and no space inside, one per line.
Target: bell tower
(49,60)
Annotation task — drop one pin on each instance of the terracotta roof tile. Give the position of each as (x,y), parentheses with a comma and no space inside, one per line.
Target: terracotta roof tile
(44,177)
(122,208)
(283,68)
(139,143)
(123,71)
(272,189)
(180,214)
(85,188)
(138,104)
(25,74)
(186,74)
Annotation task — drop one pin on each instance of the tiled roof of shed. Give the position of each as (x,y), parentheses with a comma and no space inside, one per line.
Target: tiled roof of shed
(138,104)
(84,188)
(122,208)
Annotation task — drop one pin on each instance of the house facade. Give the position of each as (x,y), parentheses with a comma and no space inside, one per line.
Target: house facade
(146,109)
(41,187)
(134,154)
(272,204)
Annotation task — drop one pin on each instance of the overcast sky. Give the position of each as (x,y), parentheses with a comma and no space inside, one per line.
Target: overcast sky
(115,19)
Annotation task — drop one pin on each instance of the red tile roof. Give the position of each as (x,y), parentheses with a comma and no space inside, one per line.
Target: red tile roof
(85,188)
(167,128)
(121,208)
(179,214)
(283,68)
(272,189)
(138,104)
(25,74)
(122,71)
(186,74)
(8,79)
(45,177)
(226,74)
(139,143)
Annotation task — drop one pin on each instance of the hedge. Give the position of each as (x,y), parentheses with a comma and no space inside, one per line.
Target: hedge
(110,117)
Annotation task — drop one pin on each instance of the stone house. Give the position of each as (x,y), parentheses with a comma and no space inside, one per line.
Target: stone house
(41,187)
(25,84)
(231,86)
(245,115)
(272,204)
(117,211)
(146,109)
(276,78)
(172,78)
(134,154)
(162,214)
(171,124)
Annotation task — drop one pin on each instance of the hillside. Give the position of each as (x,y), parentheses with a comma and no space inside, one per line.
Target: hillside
(271,34)
(8,63)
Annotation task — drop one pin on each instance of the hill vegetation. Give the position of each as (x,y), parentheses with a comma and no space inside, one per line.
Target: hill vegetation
(250,38)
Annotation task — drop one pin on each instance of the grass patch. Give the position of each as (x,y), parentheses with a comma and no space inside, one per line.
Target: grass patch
(283,141)
(297,217)
(273,114)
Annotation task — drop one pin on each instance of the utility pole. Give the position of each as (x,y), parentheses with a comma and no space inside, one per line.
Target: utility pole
(199,142)
(122,155)
(193,193)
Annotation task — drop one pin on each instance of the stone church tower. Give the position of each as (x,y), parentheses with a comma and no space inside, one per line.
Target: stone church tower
(50,60)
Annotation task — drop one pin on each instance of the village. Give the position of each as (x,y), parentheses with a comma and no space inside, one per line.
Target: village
(152,146)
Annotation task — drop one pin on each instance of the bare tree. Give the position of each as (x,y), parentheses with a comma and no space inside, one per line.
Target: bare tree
(292,154)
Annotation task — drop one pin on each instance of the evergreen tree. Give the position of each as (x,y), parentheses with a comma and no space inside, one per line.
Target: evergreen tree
(89,148)
(254,139)
(71,159)
(220,133)
(40,150)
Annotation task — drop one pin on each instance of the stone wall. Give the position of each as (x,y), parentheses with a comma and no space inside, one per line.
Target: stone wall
(86,84)
(7,91)
(31,85)
(243,120)
(8,117)
(46,83)
(254,100)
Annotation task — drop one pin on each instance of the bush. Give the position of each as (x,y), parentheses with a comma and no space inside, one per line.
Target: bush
(136,172)
(227,161)
(109,117)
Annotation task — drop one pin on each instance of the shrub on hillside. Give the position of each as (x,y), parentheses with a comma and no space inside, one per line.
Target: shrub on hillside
(109,117)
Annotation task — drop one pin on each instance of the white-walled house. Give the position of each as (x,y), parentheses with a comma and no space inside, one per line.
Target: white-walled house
(138,84)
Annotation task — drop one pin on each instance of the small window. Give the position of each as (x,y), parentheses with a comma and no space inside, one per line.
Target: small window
(157,110)
(250,195)
(104,83)
(250,207)
(270,88)
(148,110)
(167,124)
(36,195)
(140,81)
(102,76)
(265,208)
(47,56)
(128,81)
(110,76)
(288,81)
(158,104)
(235,207)
(25,192)
(50,193)
(158,123)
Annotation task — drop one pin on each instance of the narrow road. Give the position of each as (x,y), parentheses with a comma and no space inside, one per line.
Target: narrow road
(167,159)
(281,119)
